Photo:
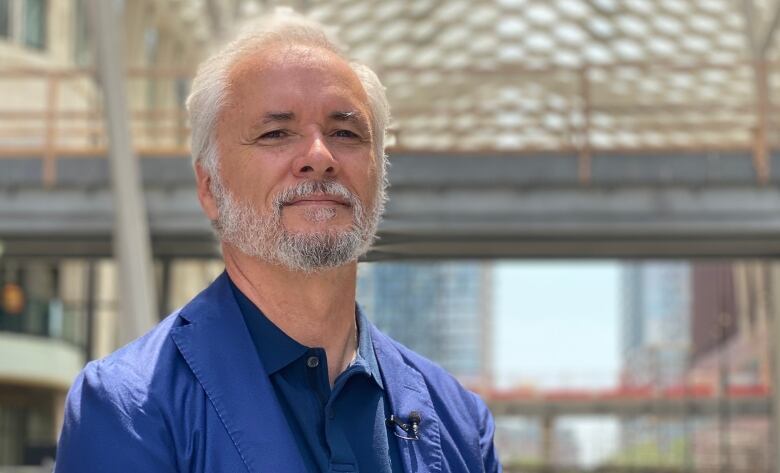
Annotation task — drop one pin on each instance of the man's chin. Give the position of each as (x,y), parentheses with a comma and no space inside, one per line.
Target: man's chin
(321,229)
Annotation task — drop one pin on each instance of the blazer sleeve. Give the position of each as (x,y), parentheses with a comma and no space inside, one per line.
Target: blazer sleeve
(487,430)
(111,425)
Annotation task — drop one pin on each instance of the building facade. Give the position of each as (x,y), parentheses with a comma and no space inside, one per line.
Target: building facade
(655,321)
(441,310)
(731,326)
(654,347)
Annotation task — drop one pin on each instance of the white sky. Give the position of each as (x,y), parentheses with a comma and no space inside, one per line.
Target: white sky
(556,323)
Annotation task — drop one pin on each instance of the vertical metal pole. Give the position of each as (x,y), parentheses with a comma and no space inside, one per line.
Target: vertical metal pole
(585,167)
(774,338)
(486,327)
(687,460)
(90,305)
(165,286)
(548,439)
(132,248)
(49,153)
(724,414)
(761,157)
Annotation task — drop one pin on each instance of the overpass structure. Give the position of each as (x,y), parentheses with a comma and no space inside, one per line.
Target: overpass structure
(441,206)
(679,402)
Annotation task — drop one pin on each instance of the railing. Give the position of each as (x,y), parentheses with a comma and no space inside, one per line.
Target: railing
(691,391)
(56,114)
(26,469)
(47,318)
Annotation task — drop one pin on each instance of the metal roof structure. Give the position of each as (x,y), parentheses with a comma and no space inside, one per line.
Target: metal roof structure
(560,75)
(519,74)
(574,77)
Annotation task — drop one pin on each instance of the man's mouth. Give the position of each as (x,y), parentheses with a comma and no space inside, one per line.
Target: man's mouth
(318,200)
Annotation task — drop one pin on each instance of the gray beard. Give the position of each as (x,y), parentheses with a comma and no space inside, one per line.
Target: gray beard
(264,236)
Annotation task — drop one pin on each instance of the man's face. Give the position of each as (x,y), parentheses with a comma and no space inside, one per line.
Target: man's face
(297,167)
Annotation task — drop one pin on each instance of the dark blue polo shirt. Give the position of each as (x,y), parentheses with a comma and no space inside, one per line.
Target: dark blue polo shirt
(337,430)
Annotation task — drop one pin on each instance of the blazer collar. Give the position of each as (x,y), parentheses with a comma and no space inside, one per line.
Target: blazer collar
(218,349)
(407,392)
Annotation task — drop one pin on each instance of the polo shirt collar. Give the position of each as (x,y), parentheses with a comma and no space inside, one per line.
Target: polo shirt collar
(274,347)
(365,350)
(277,350)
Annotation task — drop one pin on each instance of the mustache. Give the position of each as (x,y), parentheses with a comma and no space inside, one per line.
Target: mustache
(309,188)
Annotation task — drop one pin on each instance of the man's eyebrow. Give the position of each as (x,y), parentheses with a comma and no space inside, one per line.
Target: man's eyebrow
(278,117)
(349,116)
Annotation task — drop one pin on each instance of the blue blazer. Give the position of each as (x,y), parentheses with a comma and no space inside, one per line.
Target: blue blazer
(193,396)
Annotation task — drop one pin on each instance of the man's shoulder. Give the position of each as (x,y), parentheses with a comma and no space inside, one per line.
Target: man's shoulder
(155,353)
(135,368)
(117,410)
(146,351)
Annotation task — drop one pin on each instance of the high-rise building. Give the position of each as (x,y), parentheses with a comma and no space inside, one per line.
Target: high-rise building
(440,310)
(654,344)
(731,348)
(731,313)
(713,307)
(655,333)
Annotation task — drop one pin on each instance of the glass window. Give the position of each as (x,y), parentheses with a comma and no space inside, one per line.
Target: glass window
(35,23)
(5,23)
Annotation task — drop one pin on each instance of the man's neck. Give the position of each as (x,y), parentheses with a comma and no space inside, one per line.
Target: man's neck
(316,309)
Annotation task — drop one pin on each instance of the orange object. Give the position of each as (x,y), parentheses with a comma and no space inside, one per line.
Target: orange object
(13,299)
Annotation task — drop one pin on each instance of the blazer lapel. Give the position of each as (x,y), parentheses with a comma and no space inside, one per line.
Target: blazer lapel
(217,347)
(407,392)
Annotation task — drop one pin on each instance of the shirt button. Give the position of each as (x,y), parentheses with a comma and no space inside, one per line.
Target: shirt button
(313,362)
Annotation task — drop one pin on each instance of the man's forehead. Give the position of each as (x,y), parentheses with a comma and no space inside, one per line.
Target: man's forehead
(296,60)
(285,74)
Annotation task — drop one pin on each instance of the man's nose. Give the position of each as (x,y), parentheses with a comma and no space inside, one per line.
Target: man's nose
(317,161)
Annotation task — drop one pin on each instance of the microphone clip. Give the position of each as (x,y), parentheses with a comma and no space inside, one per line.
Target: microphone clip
(412,429)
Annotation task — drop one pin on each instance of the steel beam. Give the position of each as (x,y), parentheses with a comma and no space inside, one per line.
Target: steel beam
(628,407)
(769,34)
(751,33)
(548,440)
(451,206)
(138,305)
(758,42)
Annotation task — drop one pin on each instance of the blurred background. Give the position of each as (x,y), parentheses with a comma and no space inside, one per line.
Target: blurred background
(583,226)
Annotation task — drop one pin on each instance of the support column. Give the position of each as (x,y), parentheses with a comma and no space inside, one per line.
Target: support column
(548,440)
(487,350)
(90,298)
(584,166)
(774,339)
(137,300)
(761,153)
(58,411)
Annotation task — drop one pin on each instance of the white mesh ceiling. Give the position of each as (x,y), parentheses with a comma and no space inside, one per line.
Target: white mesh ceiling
(521,75)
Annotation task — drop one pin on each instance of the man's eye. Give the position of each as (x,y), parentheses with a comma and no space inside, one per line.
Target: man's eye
(345,134)
(273,134)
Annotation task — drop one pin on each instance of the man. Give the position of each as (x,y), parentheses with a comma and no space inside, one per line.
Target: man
(272,368)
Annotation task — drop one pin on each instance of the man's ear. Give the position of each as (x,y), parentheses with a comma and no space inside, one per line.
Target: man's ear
(203,184)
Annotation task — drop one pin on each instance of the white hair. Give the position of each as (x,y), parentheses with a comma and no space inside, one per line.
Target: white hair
(284,27)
